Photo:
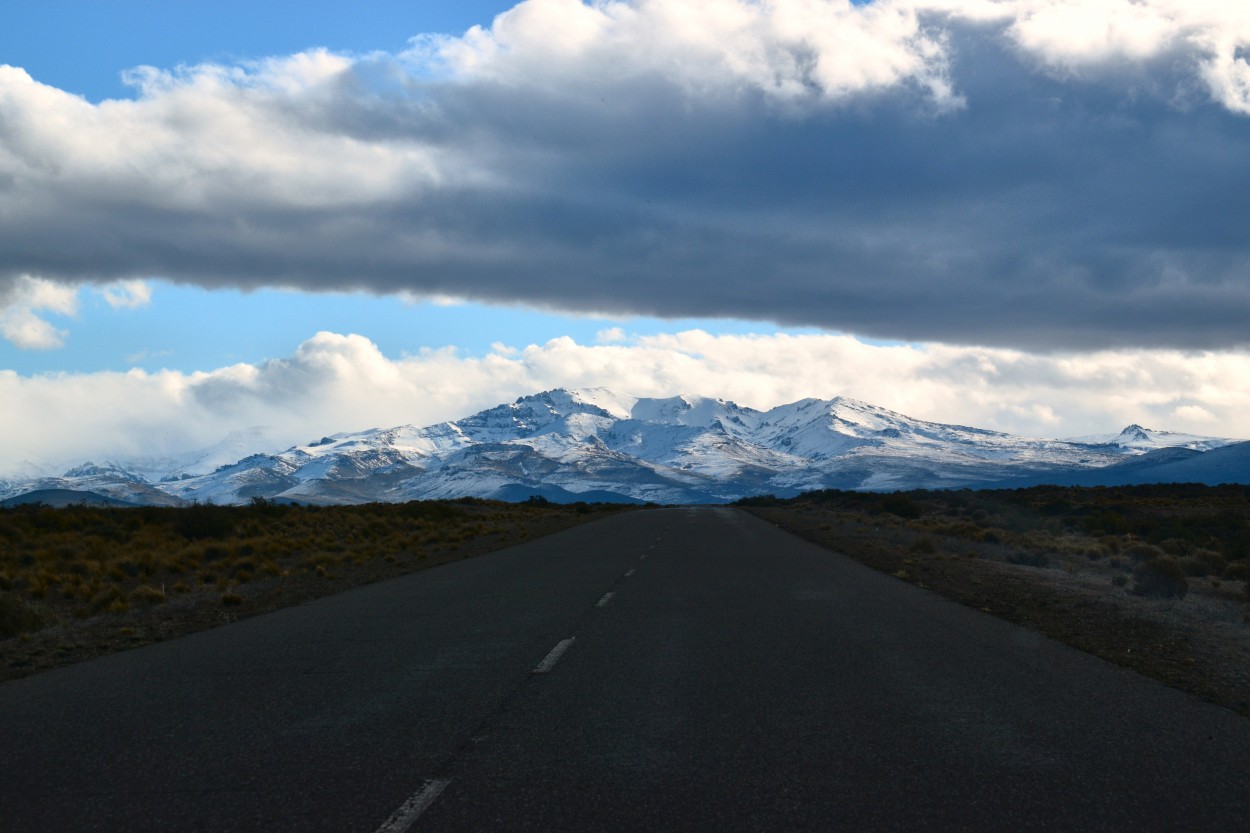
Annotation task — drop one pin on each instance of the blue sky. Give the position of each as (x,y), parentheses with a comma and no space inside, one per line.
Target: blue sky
(1026,215)
(188,328)
(83,46)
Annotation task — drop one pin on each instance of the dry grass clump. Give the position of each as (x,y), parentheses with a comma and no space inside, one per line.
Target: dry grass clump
(1160,578)
(17,616)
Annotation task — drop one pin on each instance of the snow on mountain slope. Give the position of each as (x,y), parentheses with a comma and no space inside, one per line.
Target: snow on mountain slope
(700,411)
(671,450)
(108,481)
(1137,440)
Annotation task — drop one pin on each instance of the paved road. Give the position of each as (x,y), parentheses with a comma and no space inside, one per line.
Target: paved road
(703,671)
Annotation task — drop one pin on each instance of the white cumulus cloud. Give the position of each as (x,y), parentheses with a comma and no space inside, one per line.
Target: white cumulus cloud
(127,294)
(20,305)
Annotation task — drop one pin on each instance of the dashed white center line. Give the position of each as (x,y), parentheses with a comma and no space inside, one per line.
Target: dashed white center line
(642,557)
(417,803)
(553,656)
(629,572)
(607,597)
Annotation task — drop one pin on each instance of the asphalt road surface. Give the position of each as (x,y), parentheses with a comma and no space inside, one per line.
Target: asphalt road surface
(689,669)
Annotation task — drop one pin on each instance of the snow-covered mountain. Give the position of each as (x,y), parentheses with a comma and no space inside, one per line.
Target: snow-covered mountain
(598,445)
(1136,438)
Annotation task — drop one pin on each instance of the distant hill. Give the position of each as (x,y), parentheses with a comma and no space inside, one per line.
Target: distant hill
(1226,464)
(516,493)
(63,497)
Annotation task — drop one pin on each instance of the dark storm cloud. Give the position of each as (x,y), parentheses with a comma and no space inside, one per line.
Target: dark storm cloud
(957,182)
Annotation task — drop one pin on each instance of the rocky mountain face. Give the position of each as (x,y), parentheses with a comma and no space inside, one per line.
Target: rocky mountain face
(594,444)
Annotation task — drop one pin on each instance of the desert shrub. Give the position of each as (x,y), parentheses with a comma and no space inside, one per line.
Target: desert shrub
(961,529)
(1106,522)
(213,552)
(1029,558)
(1110,543)
(1204,563)
(148,595)
(924,545)
(16,616)
(1160,578)
(1144,552)
(205,521)
(1176,546)
(901,505)
(109,599)
(1119,580)
(1237,571)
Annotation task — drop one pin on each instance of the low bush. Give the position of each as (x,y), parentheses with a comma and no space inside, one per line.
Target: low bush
(16,616)
(1144,552)
(109,599)
(901,505)
(147,595)
(924,545)
(1160,578)
(1176,546)
(1237,571)
(1204,563)
(1028,558)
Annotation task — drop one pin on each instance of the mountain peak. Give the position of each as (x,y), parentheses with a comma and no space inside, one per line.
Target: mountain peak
(691,410)
(592,441)
(92,470)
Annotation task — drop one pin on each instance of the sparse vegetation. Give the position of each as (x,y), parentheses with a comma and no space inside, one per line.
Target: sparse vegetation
(16,616)
(1205,529)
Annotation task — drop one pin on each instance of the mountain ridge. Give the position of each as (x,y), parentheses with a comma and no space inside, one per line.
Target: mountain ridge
(609,446)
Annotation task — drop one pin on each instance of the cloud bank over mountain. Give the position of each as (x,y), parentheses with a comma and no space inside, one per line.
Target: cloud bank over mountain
(334,383)
(1035,174)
